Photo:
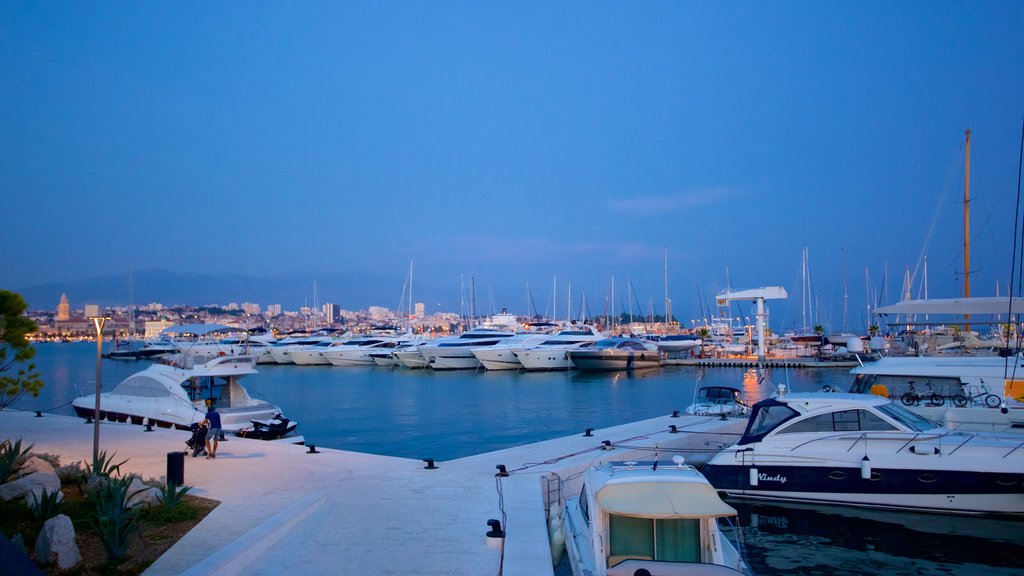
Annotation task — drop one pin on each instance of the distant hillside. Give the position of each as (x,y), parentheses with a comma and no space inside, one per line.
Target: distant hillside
(354,291)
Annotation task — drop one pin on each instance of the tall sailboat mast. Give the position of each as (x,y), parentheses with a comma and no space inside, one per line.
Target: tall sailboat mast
(967,222)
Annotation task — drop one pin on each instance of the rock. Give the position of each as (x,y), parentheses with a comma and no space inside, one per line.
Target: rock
(35,464)
(22,486)
(147,495)
(56,543)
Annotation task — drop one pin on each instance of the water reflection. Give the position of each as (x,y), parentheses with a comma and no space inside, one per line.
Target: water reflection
(820,539)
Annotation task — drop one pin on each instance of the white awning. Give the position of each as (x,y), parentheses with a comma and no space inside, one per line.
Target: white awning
(663,500)
(197,329)
(956,306)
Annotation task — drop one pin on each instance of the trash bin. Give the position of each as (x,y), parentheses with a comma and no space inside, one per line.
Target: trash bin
(176,468)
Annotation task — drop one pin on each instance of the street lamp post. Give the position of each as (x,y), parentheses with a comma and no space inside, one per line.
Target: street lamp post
(99,322)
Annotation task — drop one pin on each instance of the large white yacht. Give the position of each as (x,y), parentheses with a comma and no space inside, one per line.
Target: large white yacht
(979,393)
(357,351)
(648,518)
(456,353)
(616,354)
(281,350)
(553,353)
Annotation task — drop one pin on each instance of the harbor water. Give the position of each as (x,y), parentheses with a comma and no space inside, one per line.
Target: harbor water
(447,415)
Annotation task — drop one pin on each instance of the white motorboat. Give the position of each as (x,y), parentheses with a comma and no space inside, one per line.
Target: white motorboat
(969,393)
(314,354)
(678,343)
(142,349)
(408,355)
(553,352)
(280,351)
(718,401)
(456,353)
(357,351)
(648,518)
(165,395)
(502,355)
(865,450)
(616,354)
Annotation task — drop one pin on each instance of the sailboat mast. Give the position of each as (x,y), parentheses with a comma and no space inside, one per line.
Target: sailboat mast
(668,303)
(967,222)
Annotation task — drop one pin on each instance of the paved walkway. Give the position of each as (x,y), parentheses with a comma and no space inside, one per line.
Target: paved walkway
(286,511)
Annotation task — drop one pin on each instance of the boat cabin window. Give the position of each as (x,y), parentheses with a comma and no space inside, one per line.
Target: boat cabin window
(907,418)
(672,540)
(767,418)
(585,504)
(209,388)
(842,421)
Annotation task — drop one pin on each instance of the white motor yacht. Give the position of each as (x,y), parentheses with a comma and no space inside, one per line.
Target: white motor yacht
(649,518)
(456,353)
(969,393)
(501,356)
(408,355)
(281,350)
(165,395)
(865,450)
(357,351)
(552,353)
(616,354)
(313,354)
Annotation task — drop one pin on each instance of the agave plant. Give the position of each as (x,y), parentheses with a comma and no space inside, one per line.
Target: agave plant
(104,466)
(115,521)
(47,504)
(171,494)
(11,457)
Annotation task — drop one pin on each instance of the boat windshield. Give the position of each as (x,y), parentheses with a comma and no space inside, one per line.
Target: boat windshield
(907,418)
(767,416)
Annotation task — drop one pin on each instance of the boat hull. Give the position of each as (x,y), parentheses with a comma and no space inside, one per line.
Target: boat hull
(934,490)
(602,360)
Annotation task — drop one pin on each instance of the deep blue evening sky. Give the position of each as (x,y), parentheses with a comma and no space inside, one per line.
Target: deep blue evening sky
(513,142)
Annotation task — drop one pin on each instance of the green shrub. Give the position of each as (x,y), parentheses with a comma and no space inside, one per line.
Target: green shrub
(115,521)
(70,474)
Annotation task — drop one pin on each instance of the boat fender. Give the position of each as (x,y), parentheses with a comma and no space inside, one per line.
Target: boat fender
(924,450)
(753,476)
(865,468)
(556,535)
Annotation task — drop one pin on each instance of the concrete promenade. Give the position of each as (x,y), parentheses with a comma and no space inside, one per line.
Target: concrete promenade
(286,511)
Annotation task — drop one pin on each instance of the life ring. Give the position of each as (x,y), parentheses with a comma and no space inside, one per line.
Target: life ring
(826,388)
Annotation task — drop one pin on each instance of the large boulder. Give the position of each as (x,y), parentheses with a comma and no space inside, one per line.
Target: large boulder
(140,494)
(33,482)
(35,464)
(56,543)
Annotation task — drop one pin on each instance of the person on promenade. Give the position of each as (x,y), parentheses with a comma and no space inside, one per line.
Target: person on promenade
(213,436)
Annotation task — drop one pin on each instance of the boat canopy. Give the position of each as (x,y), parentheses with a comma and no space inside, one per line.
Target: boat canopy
(974,305)
(663,500)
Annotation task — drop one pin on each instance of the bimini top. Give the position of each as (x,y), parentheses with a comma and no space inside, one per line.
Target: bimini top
(667,492)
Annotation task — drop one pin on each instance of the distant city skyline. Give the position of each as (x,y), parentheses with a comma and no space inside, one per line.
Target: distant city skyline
(522,148)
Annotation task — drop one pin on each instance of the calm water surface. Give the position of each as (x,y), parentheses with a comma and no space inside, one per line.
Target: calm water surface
(447,415)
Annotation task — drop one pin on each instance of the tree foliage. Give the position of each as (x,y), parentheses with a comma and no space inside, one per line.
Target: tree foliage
(15,351)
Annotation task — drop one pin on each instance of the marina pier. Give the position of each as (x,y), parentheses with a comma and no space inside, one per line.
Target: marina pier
(284,508)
